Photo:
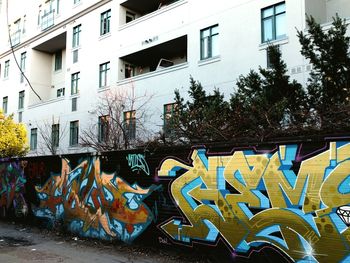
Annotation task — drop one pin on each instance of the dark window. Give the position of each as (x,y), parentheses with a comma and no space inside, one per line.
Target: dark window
(76,36)
(21,99)
(130,124)
(55,135)
(58,60)
(4,104)
(210,42)
(105,22)
(23,64)
(74,133)
(75,55)
(74,104)
(75,83)
(33,138)
(273,22)
(104,75)
(169,111)
(7,68)
(103,128)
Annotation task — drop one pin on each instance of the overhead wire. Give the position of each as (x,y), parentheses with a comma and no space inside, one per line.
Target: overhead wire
(14,55)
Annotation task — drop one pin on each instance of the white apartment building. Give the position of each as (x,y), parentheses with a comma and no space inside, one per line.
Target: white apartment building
(74,51)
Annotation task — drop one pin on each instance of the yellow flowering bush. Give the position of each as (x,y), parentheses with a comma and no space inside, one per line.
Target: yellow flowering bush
(13,137)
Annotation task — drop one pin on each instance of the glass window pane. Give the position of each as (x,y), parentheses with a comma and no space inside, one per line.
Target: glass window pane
(204,48)
(205,33)
(280,25)
(267,12)
(267,30)
(215,46)
(215,30)
(280,8)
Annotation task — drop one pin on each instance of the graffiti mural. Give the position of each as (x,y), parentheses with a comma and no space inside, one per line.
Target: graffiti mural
(300,206)
(137,162)
(12,181)
(93,203)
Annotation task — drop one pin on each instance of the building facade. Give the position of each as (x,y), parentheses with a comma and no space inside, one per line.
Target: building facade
(59,58)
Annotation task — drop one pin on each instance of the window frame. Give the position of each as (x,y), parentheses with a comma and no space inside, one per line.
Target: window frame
(129,124)
(74,133)
(7,69)
(209,42)
(273,20)
(33,139)
(5,101)
(23,65)
(75,77)
(58,60)
(104,74)
(55,135)
(76,36)
(105,22)
(21,96)
(103,128)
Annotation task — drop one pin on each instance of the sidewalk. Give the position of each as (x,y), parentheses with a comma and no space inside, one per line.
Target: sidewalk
(26,244)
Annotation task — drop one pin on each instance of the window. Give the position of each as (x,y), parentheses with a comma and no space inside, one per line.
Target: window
(273,22)
(130,124)
(21,99)
(74,133)
(104,74)
(23,64)
(76,36)
(169,111)
(24,24)
(103,127)
(55,135)
(4,104)
(60,92)
(76,2)
(209,42)
(105,22)
(33,139)
(75,55)
(20,116)
(58,60)
(7,69)
(75,83)
(129,17)
(74,104)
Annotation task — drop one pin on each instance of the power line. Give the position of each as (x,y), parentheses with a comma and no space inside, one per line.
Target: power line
(13,52)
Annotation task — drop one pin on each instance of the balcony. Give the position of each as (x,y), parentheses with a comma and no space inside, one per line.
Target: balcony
(47,20)
(157,58)
(16,38)
(136,9)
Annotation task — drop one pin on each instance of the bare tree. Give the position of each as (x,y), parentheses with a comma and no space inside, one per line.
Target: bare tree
(118,121)
(51,133)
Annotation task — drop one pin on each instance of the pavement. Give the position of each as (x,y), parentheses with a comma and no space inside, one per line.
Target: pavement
(23,244)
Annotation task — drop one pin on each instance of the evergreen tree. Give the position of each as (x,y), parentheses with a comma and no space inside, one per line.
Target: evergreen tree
(329,82)
(202,118)
(267,103)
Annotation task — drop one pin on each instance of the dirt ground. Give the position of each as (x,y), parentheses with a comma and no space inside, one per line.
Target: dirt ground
(19,243)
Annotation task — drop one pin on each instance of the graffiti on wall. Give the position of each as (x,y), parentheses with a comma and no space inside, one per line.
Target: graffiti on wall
(249,199)
(12,182)
(137,162)
(93,203)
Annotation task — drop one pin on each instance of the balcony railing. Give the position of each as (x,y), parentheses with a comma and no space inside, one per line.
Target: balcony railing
(16,38)
(48,19)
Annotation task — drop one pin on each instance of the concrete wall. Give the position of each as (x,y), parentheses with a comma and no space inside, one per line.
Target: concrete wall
(278,201)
